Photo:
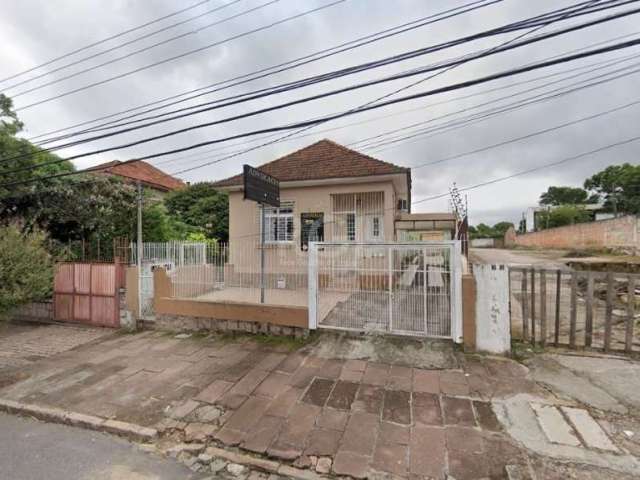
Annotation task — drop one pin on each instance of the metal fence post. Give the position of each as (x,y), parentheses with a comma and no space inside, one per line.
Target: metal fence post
(312,282)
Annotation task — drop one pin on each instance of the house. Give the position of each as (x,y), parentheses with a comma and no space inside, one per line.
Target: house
(596,211)
(328,193)
(151,177)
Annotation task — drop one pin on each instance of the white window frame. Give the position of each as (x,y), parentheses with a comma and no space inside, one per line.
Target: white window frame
(282,236)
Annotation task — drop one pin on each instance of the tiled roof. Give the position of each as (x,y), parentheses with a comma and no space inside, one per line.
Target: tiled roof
(321,160)
(146,173)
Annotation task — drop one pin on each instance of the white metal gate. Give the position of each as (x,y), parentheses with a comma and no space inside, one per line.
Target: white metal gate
(400,288)
(168,255)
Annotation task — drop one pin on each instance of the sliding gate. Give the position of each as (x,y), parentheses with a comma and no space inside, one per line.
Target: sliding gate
(400,288)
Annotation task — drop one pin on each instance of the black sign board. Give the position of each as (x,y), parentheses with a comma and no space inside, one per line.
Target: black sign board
(260,187)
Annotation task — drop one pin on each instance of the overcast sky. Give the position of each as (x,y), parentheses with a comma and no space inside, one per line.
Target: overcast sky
(35,31)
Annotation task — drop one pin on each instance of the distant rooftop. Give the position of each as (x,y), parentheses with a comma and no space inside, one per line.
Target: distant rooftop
(143,171)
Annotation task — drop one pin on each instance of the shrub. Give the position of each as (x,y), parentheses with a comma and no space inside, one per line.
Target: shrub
(26,268)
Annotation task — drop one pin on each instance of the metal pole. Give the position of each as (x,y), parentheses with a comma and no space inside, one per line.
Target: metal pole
(139,242)
(262,221)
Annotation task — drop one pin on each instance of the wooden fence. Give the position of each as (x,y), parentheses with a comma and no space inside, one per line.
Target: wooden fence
(575,309)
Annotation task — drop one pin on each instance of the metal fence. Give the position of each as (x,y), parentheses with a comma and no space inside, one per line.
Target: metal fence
(409,289)
(575,309)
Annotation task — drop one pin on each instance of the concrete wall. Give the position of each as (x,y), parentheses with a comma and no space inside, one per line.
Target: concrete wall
(487,243)
(37,311)
(622,233)
(493,327)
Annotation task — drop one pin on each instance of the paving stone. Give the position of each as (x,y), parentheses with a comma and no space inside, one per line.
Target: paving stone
(397,407)
(500,453)
(355,365)
(303,376)
(427,381)
(314,361)
(207,413)
(229,436)
(351,464)
(427,454)
(392,434)
(466,453)
(400,383)
(332,419)
(214,392)
(457,411)
(184,409)
(400,371)
(272,361)
(331,369)
(480,386)
(323,442)
(262,434)
(426,409)
(369,399)
(282,404)
(486,416)
(454,383)
(323,465)
(295,430)
(343,395)
(273,385)
(198,432)
(591,433)
(376,374)
(232,400)
(360,434)
(291,363)
(248,414)
(554,426)
(351,376)
(318,392)
(249,382)
(391,458)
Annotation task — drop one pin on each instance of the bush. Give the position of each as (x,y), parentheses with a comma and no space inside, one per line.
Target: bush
(26,268)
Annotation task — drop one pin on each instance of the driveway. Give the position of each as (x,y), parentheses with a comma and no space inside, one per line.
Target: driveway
(551,259)
(32,450)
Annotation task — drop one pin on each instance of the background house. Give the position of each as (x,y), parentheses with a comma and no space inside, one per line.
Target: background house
(152,178)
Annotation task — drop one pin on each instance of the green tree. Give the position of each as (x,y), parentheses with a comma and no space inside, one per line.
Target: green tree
(26,268)
(501,228)
(619,186)
(202,206)
(555,196)
(561,216)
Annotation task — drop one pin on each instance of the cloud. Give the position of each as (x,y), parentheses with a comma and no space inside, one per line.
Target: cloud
(34,31)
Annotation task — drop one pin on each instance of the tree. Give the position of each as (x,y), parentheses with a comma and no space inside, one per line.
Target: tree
(619,185)
(561,216)
(485,231)
(26,268)
(555,196)
(202,206)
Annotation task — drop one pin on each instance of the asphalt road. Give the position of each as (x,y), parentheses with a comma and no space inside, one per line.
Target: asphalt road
(33,450)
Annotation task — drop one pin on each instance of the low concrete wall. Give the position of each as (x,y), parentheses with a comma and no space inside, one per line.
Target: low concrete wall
(34,311)
(487,243)
(493,327)
(190,314)
(622,233)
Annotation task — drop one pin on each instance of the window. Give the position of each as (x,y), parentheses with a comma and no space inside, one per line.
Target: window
(278,223)
(376,227)
(351,227)
(311,228)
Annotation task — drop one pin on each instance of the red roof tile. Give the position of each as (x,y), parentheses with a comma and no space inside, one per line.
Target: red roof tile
(321,160)
(145,172)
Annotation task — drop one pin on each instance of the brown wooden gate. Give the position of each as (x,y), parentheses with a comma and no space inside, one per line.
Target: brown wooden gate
(87,293)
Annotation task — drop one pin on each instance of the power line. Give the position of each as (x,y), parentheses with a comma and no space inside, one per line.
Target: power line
(535,169)
(338,91)
(241,98)
(129,42)
(135,52)
(182,55)
(266,72)
(457,86)
(371,38)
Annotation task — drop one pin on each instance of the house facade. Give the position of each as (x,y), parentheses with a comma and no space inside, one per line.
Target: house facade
(327,193)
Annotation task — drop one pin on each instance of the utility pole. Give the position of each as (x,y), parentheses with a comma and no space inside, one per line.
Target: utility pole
(262,235)
(139,247)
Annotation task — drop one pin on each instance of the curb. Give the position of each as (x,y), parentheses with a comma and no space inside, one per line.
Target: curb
(90,422)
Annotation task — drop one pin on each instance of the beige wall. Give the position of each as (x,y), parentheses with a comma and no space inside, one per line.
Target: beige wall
(244,229)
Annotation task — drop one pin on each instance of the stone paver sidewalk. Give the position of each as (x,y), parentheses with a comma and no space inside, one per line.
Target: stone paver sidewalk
(337,416)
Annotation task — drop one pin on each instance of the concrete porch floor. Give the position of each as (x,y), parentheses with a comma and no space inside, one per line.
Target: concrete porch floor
(351,402)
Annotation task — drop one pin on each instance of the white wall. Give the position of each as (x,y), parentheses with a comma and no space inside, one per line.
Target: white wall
(493,331)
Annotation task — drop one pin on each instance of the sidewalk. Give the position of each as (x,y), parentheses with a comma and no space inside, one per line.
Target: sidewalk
(311,408)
